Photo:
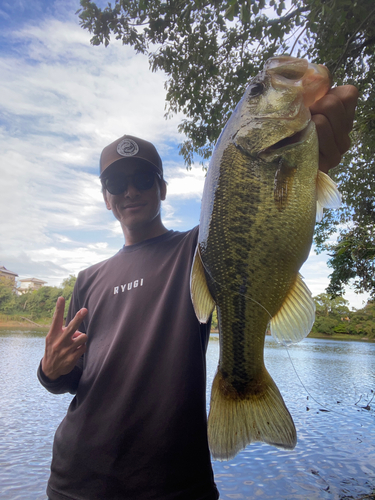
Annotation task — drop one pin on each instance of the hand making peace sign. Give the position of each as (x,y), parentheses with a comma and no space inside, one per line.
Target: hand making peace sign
(64,345)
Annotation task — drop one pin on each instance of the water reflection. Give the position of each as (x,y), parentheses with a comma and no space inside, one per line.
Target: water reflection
(334,457)
(335,454)
(28,418)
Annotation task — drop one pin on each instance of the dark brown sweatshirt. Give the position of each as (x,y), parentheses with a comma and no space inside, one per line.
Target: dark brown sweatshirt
(136,428)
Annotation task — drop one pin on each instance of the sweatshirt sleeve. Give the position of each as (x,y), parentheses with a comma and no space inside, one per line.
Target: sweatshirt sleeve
(69,382)
(65,383)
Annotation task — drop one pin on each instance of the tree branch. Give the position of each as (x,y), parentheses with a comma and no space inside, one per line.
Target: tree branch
(298,37)
(351,38)
(288,16)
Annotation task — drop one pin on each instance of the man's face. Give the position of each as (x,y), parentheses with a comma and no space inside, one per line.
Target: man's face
(136,209)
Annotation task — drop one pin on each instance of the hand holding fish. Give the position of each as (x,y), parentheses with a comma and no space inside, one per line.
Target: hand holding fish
(64,345)
(333,115)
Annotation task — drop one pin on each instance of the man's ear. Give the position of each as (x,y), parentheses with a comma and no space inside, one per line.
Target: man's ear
(163,190)
(107,204)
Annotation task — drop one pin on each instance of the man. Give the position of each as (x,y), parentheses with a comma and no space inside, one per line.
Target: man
(136,428)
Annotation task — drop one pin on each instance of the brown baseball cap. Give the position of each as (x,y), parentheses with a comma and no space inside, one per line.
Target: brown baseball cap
(130,150)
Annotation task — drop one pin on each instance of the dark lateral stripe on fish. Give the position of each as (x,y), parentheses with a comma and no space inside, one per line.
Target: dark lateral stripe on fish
(238,328)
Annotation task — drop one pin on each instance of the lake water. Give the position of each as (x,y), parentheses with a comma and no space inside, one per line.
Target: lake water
(327,386)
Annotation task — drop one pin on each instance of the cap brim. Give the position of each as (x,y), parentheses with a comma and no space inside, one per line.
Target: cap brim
(127,162)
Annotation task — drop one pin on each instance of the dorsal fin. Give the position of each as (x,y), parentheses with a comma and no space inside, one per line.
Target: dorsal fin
(295,318)
(327,194)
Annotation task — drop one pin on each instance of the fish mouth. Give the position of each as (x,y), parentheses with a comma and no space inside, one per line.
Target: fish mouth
(288,142)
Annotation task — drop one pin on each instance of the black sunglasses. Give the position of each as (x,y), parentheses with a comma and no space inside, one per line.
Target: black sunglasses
(118,183)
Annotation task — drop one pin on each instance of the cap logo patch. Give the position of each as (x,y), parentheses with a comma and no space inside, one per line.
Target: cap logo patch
(127,147)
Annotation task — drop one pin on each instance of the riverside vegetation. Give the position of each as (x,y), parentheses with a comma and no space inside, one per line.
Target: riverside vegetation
(35,306)
(333,317)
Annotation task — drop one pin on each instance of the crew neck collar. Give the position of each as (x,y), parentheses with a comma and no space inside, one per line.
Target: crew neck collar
(150,241)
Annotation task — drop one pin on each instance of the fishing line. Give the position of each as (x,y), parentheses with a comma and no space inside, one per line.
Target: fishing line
(326,407)
(303,385)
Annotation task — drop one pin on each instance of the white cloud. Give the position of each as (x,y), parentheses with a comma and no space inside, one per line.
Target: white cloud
(62,101)
(169,217)
(94,93)
(316,272)
(185,183)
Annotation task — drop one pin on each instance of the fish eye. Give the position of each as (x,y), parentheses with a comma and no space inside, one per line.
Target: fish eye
(256,89)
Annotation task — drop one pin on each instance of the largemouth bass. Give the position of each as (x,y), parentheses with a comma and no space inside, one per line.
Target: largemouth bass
(262,195)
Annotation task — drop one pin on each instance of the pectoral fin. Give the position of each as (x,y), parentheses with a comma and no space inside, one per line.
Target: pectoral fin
(327,194)
(295,318)
(201,297)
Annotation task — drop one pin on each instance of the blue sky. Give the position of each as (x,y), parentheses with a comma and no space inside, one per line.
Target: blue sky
(61,101)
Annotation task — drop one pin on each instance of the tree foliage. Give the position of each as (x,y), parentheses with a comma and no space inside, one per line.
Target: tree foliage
(67,290)
(42,302)
(209,50)
(34,304)
(333,317)
(353,260)
(7,294)
(326,306)
(364,321)
(214,321)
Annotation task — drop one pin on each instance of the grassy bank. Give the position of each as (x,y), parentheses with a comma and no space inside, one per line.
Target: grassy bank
(19,322)
(339,336)
(23,322)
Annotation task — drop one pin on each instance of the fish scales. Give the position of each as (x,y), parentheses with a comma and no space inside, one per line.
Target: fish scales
(244,226)
(256,228)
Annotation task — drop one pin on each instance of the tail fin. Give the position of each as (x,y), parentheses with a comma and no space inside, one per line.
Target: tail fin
(233,422)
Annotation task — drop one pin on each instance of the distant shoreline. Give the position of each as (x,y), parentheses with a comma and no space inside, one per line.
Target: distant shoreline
(21,324)
(338,336)
(322,336)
